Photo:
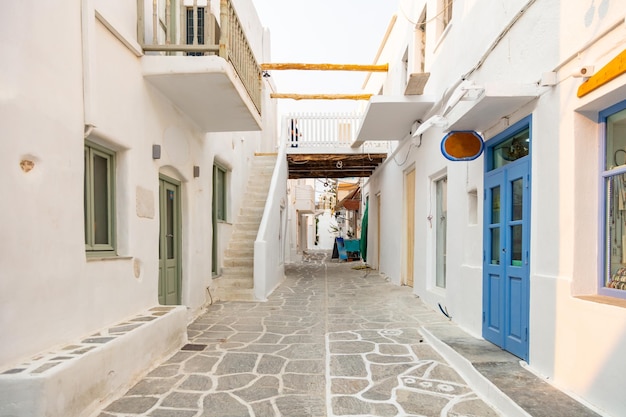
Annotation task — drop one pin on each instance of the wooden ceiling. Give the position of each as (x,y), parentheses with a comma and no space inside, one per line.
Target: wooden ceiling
(333,165)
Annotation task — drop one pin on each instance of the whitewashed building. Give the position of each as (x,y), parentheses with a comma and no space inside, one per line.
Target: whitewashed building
(523,245)
(129,129)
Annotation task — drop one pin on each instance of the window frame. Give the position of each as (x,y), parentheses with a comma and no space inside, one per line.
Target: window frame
(440,185)
(195,27)
(604,175)
(92,150)
(220,203)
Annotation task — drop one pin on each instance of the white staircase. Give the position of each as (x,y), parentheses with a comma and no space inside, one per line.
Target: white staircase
(236,282)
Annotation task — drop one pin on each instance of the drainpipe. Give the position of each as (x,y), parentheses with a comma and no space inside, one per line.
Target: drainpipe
(87,15)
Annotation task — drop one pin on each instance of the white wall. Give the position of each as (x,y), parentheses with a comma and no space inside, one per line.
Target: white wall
(324,230)
(575,342)
(51,285)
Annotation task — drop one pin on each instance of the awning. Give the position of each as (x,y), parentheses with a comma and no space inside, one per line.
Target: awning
(391,117)
(496,101)
(351,202)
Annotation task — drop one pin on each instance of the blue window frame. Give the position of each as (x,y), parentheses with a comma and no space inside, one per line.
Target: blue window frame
(612,278)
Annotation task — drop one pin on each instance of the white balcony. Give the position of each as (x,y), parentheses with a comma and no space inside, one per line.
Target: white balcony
(322,146)
(199,57)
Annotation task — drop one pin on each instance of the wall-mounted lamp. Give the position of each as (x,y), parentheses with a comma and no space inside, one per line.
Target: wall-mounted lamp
(466,91)
(196,171)
(435,120)
(156,151)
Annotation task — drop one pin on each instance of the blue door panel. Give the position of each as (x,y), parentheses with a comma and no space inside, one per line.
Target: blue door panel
(516,307)
(506,241)
(494,305)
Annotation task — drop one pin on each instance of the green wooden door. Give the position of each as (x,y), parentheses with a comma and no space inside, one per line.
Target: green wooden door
(169,241)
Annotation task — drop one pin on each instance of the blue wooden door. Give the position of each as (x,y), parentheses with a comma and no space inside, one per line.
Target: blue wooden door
(506,257)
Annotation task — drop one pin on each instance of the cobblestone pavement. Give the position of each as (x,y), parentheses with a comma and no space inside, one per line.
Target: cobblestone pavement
(331,341)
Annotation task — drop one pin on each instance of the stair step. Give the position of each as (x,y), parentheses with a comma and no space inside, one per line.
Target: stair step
(241,252)
(237,271)
(235,283)
(252,226)
(237,262)
(229,294)
(239,245)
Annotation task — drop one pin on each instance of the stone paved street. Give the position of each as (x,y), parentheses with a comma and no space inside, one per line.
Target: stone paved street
(331,341)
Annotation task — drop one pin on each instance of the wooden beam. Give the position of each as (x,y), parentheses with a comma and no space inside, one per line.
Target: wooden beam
(615,68)
(322,96)
(325,67)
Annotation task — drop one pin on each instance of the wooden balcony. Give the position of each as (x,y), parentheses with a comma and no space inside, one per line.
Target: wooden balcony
(199,57)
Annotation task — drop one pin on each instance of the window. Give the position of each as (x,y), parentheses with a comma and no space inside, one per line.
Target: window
(195,29)
(512,149)
(446,13)
(441,189)
(219,192)
(614,179)
(99,199)
(420,43)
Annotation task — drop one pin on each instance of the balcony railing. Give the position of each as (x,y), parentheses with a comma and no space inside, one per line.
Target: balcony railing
(328,131)
(188,27)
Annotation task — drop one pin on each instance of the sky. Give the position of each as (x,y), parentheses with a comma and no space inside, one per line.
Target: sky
(323,31)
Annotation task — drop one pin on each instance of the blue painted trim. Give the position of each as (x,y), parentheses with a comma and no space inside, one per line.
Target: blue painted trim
(602,261)
(517,127)
(471,158)
(500,176)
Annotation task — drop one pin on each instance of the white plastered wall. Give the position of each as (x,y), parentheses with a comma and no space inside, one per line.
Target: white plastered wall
(53,293)
(576,343)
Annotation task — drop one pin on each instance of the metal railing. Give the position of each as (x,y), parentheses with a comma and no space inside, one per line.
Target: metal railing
(326,130)
(172,27)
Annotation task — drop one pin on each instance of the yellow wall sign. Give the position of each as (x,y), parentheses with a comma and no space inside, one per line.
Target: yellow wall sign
(462,145)
(615,68)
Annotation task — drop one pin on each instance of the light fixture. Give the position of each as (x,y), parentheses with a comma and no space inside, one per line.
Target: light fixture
(435,120)
(156,151)
(463,93)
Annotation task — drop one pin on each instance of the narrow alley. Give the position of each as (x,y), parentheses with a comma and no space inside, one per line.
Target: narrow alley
(334,339)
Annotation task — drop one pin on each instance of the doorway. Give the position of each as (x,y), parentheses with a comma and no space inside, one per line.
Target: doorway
(169,241)
(506,280)
(409,221)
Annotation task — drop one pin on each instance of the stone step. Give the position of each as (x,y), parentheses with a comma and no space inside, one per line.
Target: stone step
(237,272)
(246,226)
(235,283)
(244,251)
(244,234)
(249,218)
(252,211)
(238,261)
(255,195)
(233,294)
(241,245)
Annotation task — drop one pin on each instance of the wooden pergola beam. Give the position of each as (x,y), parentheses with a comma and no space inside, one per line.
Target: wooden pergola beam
(325,67)
(322,96)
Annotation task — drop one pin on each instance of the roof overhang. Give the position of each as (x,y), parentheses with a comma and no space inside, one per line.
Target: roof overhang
(489,105)
(391,117)
(352,201)
(205,88)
